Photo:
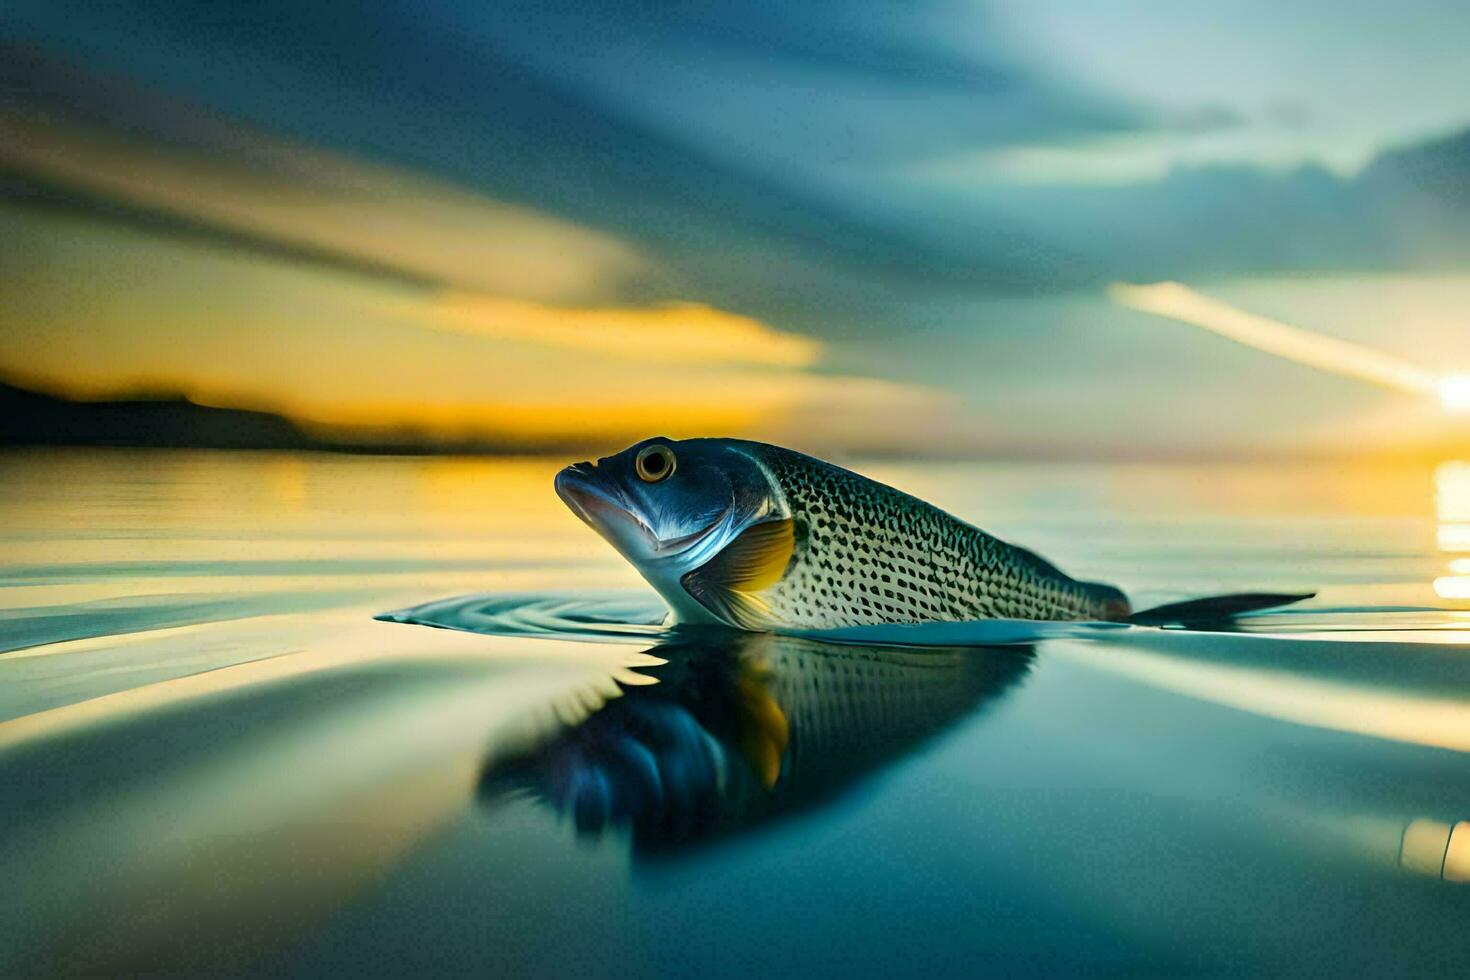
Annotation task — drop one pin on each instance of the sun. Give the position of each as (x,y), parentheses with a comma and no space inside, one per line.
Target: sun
(1454,393)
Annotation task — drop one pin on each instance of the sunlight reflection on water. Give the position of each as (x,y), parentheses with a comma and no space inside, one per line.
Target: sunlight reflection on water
(1452,505)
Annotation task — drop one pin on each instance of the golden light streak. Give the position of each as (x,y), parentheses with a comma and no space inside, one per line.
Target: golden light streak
(672,333)
(1178,302)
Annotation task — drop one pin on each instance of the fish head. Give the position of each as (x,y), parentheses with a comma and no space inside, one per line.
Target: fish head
(669,506)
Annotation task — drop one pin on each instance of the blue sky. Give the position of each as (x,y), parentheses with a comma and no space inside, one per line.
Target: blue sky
(932,197)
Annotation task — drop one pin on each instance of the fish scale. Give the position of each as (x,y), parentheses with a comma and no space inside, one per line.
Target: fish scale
(867,553)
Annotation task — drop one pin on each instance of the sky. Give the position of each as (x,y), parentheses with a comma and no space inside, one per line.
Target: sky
(842,227)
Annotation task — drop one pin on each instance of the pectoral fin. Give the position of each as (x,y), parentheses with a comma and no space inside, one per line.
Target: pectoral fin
(727,584)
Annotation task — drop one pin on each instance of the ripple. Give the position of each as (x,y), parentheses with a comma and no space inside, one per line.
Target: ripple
(631,617)
(638,617)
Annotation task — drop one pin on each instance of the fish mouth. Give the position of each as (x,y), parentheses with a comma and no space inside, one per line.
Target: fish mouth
(602,508)
(605,509)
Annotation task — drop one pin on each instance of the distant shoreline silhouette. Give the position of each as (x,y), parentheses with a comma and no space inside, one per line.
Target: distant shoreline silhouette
(168,421)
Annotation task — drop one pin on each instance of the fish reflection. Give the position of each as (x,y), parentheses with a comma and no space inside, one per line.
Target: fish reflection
(742,728)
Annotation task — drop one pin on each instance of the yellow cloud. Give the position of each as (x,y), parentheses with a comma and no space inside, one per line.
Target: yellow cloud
(673,333)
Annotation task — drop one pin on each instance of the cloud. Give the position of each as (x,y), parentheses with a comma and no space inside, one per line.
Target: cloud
(278,195)
(675,333)
(1204,118)
(692,136)
(802,86)
(718,147)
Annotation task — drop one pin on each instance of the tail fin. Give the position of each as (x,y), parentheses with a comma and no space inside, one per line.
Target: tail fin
(1214,609)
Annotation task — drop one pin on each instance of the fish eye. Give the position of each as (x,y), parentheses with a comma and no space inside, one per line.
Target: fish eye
(654,463)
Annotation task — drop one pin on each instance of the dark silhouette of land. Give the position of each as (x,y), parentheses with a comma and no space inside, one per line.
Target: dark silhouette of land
(29,418)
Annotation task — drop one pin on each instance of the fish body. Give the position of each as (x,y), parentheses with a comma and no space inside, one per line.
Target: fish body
(764,538)
(866,553)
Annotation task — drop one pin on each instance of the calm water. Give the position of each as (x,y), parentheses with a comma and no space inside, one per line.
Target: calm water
(212,756)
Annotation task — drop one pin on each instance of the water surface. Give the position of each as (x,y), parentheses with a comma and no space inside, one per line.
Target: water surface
(213,756)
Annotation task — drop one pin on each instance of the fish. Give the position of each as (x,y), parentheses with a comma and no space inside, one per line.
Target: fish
(761,538)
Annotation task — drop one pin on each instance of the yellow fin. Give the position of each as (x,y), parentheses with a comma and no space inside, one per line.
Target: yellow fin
(757,559)
(754,561)
(748,612)
(762,730)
